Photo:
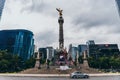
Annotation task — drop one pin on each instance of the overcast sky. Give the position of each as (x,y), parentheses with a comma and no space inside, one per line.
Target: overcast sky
(84,20)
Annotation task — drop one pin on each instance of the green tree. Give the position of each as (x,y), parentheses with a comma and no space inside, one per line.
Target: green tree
(4,65)
(14,63)
(80,59)
(30,63)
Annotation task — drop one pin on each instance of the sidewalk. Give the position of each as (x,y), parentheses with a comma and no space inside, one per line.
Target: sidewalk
(57,75)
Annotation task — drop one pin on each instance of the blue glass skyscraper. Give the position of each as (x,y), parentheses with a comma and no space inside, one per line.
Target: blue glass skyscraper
(2,2)
(118,5)
(18,42)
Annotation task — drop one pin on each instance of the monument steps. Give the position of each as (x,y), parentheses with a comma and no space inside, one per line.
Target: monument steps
(53,70)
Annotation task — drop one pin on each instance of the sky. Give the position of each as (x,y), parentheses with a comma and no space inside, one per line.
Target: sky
(83,20)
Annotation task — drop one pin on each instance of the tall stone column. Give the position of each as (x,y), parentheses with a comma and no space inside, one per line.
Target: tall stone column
(61,35)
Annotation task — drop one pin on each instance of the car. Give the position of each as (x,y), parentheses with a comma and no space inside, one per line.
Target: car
(77,74)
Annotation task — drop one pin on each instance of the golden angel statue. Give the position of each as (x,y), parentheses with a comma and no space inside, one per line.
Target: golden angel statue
(60,11)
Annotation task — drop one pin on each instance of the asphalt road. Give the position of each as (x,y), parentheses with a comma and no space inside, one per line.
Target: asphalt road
(39,78)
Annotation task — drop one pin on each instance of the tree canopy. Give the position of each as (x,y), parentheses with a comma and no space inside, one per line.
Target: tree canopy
(13,63)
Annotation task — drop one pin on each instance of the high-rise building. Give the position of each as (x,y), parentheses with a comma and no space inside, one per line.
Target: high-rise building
(90,42)
(103,49)
(82,48)
(70,50)
(50,53)
(18,42)
(43,53)
(118,5)
(2,2)
(73,51)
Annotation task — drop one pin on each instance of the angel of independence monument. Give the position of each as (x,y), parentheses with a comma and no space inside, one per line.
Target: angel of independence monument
(60,21)
(62,53)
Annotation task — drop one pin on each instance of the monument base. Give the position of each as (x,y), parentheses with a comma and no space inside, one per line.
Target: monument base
(37,64)
(85,64)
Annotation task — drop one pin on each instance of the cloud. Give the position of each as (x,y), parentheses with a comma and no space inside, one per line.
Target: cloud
(99,14)
(84,19)
(34,6)
(46,38)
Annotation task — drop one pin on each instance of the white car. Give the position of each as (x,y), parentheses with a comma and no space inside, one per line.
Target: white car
(78,74)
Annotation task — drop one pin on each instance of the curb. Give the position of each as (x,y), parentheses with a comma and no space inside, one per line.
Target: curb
(56,75)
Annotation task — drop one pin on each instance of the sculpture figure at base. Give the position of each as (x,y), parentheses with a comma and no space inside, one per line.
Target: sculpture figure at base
(37,64)
(85,62)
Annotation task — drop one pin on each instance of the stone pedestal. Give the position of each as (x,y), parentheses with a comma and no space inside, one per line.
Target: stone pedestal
(37,64)
(85,62)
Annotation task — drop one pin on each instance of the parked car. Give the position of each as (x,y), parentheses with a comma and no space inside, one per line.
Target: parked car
(78,74)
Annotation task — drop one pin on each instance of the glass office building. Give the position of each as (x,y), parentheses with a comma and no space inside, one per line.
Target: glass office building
(19,42)
(81,49)
(72,52)
(43,53)
(2,2)
(103,49)
(118,5)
